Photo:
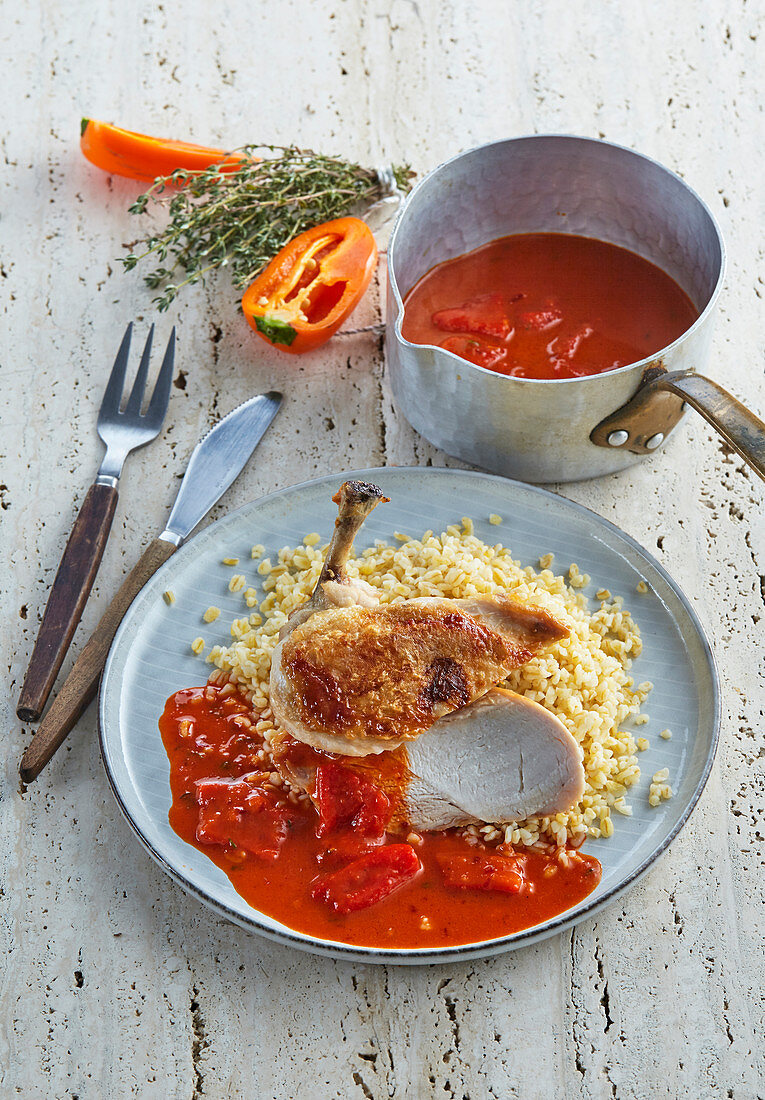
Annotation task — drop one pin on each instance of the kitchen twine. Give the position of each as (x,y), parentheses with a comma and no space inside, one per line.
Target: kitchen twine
(388,190)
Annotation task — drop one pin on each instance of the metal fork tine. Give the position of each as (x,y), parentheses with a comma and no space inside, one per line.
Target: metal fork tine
(133,406)
(111,402)
(159,399)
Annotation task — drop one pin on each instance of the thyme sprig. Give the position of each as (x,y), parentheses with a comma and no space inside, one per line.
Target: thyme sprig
(240,219)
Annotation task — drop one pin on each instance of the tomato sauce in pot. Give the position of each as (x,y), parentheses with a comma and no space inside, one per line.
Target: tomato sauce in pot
(338,873)
(548,305)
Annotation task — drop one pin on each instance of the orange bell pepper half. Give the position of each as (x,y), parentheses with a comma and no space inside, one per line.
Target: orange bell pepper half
(306,292)
(139,157)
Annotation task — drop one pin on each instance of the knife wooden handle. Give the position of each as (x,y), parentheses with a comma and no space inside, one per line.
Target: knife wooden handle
(82,682)
(67,599)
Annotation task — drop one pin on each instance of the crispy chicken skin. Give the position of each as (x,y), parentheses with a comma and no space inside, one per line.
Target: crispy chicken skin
(357,679)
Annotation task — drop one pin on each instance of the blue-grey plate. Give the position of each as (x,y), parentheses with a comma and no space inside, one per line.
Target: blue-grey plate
(151,658)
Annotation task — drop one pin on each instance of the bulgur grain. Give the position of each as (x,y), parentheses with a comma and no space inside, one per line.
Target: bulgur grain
(211,614)
(197,645)
(169,597)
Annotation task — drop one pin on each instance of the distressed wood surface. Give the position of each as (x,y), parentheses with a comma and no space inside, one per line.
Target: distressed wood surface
(115,983)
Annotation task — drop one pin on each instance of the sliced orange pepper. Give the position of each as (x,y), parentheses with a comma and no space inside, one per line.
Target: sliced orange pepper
(139,157)
(300,300)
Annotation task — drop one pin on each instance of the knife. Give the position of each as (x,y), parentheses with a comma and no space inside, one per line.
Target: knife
(215,463)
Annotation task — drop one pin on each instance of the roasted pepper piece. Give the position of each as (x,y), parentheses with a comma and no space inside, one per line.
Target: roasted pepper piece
(482,316)
(345,798)
(483,871)
(368,879)
(139,157)
(306,292)
(475,350)
(236,813)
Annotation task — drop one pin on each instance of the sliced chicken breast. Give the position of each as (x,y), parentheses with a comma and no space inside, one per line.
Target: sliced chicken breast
(502,758)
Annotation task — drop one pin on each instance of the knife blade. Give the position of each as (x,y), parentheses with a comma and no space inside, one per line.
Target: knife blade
(215,463)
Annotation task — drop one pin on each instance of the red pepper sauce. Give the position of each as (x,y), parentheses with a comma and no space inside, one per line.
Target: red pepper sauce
(548,305)
(450,892)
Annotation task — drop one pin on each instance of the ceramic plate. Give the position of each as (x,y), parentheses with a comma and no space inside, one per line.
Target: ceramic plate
(151,658)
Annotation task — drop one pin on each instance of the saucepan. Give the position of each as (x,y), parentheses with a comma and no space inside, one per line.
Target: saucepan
(573,428)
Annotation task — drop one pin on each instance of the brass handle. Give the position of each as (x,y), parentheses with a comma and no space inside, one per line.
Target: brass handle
(643,423)
(738,426)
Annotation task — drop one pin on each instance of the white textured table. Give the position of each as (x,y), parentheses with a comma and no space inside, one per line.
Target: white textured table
(116,984)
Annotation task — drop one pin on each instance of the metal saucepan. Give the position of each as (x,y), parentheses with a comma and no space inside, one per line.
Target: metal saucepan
(567,429)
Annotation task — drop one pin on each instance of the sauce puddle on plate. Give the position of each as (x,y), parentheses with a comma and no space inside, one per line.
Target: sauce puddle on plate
(336,878)
(547,306)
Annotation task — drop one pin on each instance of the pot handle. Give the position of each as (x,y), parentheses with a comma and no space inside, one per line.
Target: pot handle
(738,426)
(648,417)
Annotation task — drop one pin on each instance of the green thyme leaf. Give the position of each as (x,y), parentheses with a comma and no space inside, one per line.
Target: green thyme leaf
(240,219)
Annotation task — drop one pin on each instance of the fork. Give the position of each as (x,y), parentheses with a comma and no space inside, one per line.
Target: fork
(122,432)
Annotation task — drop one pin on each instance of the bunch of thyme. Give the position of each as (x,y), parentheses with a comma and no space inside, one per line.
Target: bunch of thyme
(240,219)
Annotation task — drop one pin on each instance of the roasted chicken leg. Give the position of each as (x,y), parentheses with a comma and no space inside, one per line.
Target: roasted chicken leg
(405,693)
(352,677)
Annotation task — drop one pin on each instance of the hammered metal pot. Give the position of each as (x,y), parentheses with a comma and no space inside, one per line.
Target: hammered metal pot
(560,429)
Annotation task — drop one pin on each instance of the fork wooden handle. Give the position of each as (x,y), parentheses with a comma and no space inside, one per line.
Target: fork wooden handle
(68,596)
(82,682)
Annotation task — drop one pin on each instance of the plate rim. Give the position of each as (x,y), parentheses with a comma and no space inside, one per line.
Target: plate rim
(416,956)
